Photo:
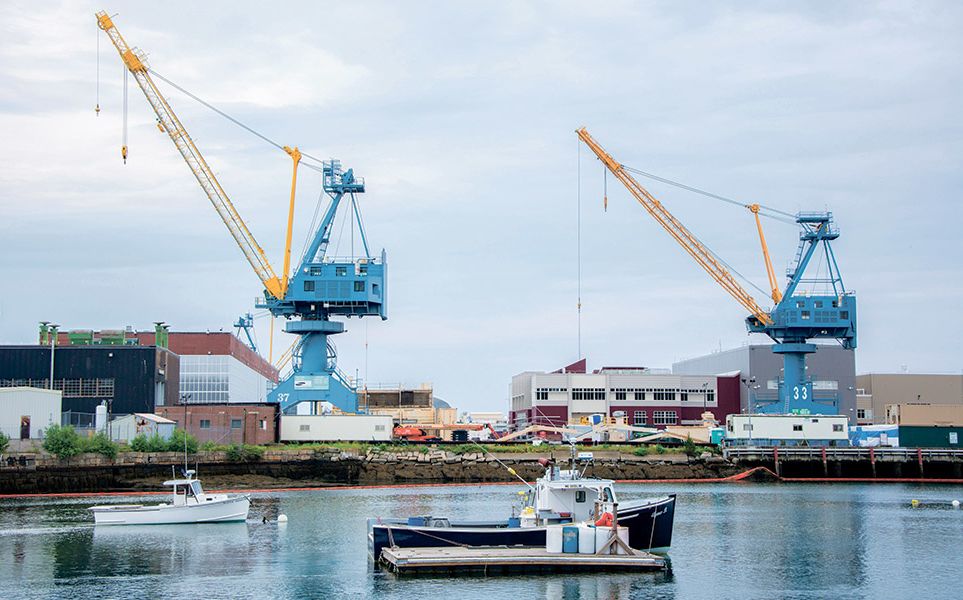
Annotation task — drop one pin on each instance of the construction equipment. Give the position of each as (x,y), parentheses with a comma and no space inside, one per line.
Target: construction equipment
(422,432)
(796,318)
(320,287)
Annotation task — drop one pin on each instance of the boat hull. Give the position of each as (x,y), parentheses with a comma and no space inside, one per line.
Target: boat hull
(649,522)
(216,511)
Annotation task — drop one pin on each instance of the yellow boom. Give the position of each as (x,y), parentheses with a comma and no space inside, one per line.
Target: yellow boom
(678,231)
(168,122)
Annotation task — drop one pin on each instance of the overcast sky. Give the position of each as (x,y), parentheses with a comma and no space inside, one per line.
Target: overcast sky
(461,117)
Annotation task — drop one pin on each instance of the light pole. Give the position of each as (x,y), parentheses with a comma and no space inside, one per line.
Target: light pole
(750,404)
(53,343)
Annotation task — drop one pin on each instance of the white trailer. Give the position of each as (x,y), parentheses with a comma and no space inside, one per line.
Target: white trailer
(336,428)
(787,430)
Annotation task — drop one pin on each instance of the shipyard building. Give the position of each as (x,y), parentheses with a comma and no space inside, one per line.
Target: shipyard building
(645,397)
(831,368)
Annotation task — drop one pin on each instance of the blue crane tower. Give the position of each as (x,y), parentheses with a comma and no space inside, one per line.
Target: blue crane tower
(323,287)
(797,317)
(320,287)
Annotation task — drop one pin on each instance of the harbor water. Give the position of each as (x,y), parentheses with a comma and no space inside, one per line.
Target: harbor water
(731,541)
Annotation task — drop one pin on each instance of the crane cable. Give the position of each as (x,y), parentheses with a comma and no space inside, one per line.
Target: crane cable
(717,197)
(235,121)
(97,107)
(777,214)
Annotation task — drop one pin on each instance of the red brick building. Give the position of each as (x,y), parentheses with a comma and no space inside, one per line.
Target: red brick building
(226,423)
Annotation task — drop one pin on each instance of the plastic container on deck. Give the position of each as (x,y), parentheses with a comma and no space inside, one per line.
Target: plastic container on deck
(586,539)
(570,539)
(553,539)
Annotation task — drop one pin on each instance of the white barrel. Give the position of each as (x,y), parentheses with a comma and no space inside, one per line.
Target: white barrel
(586,539)
(602,535)
(100,418)
(553,539)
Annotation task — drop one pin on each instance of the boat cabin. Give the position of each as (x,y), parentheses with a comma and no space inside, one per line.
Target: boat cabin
(564,493)
(188,490)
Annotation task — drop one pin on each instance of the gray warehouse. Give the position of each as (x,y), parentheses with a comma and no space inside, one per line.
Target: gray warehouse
(832,370)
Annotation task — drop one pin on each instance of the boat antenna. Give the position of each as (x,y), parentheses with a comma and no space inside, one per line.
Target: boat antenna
(509,469)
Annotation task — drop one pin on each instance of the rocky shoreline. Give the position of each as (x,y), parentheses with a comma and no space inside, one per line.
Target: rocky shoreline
(284,468)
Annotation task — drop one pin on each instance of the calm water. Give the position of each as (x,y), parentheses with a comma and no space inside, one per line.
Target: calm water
(731,541)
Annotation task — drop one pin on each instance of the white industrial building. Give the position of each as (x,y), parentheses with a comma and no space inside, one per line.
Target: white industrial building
(647,397)
(25,412)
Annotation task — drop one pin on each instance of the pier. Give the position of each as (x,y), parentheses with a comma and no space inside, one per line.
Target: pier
(500,559)
(880,463)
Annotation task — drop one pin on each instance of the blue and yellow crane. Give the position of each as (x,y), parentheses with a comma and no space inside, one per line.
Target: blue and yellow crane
(796,317)
(320,287)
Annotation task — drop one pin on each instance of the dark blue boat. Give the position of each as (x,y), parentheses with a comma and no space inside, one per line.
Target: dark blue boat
(559,496)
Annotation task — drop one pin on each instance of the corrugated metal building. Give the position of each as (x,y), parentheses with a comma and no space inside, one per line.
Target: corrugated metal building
(128,427)
(832,369)
(129,378)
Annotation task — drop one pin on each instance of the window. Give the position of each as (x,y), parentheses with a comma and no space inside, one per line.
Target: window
(819,304)
(205,423)
(379,427)
(747,426)
(804,314)
(683,396)
(620,395)
(263,424)
(304,428)
(315,271)
(797,427)
(640,395)
(580,496)
(588,394)
(860,413)
(844,314)
(359,286)
(665,394)
(639,417)
(236,423)
(340,271)
(664,417)
(308,286)
(541,394)
(800,304)
(710,395)
(837,426)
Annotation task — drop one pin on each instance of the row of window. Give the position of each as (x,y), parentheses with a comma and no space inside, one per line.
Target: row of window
(309,286)
(341,271)
(623,394)
(71,388)
(235,424)
(659,417)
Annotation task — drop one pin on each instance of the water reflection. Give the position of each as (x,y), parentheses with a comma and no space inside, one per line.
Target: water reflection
(745,541)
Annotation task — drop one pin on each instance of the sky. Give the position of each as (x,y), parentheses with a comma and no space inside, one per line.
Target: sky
(462,117)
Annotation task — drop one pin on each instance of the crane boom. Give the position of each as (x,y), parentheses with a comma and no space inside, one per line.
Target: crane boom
(678,231)
(167,120)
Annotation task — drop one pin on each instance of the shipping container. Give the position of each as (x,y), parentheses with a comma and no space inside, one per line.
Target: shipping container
(334,428)
(921,436)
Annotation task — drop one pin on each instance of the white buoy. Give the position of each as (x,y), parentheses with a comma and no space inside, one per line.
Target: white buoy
(282,518)
(956,503)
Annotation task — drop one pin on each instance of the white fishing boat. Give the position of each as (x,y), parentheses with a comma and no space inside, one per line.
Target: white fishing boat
(190,504)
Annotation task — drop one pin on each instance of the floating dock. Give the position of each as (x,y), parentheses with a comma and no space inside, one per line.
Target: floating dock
(503,559)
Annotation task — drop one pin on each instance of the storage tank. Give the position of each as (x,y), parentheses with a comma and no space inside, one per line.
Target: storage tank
(100,417)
